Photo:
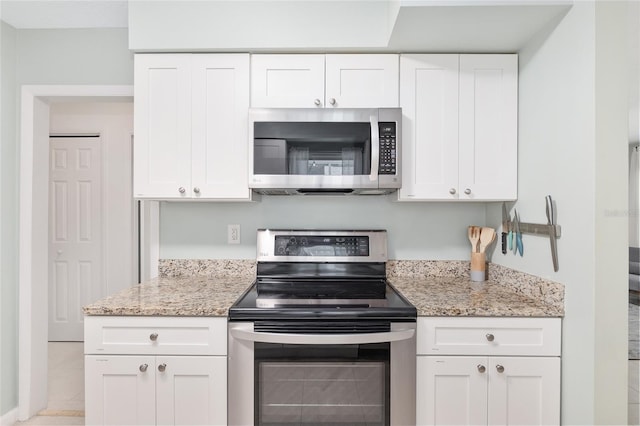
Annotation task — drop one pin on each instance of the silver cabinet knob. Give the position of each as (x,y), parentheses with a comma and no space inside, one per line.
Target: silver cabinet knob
(182,190)
(153,337)
(143,367)
(481,368)
(490,337)
(162,367)
(452,191)
(332,101)
(317,102)
(467,191)
(196,190)
(500,368)
(58,252)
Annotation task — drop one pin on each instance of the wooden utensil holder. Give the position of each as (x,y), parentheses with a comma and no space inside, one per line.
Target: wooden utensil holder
(478,266)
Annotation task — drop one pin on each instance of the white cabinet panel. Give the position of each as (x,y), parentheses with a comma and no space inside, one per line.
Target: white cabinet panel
(318,81)
(463,379)
(162,122)
(220,118)
(524,391)
(489,126)
(489,336)
(460,130)
(429,100)
(451,391)
(291,81)
(118,392)
(155,335)
(191,115)
(192,391)
(362,81)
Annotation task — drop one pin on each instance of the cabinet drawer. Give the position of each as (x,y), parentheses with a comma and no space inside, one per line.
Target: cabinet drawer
(155,335)
(489,336)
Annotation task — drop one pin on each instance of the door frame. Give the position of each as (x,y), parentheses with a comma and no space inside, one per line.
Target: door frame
(33,232)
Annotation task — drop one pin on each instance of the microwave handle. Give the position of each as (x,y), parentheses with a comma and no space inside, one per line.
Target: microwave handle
(322,339)
(375,148)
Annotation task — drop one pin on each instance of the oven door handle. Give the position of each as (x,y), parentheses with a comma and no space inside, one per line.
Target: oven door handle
(322,339)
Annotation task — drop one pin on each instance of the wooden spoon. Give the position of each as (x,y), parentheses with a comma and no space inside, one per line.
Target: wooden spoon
(474,236)
(487,236)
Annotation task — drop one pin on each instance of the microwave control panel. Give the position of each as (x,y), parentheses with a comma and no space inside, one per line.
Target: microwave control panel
(387,164)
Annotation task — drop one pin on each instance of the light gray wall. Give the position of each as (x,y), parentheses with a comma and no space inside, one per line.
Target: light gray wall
(8,223)
(74,56)
(416,230)
(573,145)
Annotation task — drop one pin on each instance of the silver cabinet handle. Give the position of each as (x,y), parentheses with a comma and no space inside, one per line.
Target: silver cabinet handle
(182,190)
(332,101)
(143,367)
(162,367)
(153,337)
(467,191)
(321,339)
(500,368)
(481,368)
(490,337)
(452,191)
(196,190)
(317,102)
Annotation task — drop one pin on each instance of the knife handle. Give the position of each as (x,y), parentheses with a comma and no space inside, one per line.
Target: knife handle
(504,243)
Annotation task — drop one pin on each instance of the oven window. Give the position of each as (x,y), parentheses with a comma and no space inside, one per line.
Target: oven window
(322,385)
(328,149)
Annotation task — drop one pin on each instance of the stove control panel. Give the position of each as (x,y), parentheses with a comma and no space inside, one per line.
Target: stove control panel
(321,246)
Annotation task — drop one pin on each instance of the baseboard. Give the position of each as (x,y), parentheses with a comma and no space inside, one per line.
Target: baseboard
(9,418)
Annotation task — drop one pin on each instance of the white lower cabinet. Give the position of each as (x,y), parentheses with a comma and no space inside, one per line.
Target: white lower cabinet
(155,389)
(455,387)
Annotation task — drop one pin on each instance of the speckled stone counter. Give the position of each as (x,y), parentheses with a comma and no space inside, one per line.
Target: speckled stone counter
(175,296)
(201,287)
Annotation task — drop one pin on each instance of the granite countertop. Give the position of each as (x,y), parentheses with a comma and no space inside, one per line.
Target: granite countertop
(458,296)
(435,288)
(174,296)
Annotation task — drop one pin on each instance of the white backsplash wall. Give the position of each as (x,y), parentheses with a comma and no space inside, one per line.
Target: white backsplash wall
(416,230)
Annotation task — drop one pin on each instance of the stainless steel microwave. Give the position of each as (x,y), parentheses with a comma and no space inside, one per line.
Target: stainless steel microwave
(325,151)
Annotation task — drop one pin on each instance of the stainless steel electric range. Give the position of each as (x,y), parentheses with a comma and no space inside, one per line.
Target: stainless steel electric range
(321,338)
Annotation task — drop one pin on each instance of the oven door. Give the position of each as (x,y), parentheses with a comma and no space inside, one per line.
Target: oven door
(321,379)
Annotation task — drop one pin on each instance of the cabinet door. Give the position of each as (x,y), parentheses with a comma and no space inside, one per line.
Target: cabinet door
(451,391)
(488,127)
(524,391)
(120,390)
(192,390)
(429,101)
(162,126)
(220,118)
(287,81)
(361,81)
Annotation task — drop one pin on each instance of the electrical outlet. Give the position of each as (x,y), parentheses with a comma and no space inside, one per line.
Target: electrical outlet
(233,234)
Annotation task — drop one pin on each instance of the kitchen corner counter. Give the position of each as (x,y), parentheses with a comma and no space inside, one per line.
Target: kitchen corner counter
(174,296)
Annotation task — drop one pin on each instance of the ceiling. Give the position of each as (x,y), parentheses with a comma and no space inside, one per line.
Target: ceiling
(41,14)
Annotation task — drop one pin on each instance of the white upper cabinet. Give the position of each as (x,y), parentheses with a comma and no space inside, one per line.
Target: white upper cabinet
(489,126)
(429,100)
(318,81)
(362,81)
(459,127)
(191,118)
(162,125)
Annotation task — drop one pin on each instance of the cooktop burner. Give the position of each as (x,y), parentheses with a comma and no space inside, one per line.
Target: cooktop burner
(310,275)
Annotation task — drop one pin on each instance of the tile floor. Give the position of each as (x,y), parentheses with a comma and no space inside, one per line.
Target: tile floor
(66,386)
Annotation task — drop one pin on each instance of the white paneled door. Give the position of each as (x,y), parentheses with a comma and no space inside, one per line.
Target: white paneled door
(75,233)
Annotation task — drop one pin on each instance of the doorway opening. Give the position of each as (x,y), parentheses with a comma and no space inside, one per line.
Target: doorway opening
(35,115)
